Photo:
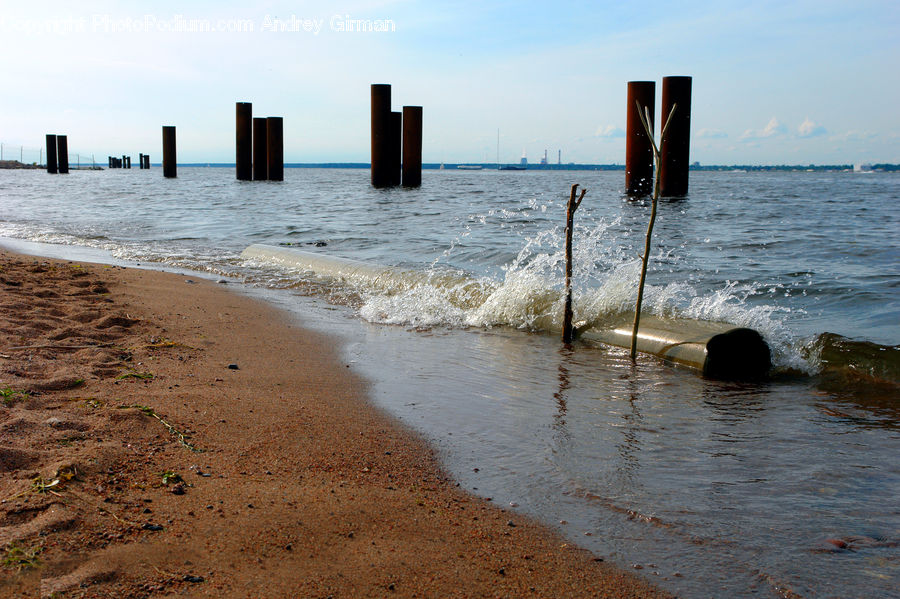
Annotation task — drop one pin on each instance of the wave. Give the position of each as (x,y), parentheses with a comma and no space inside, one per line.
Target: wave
(528,295)
(839,358)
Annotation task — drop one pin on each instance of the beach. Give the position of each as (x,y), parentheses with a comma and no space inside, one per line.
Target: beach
(162,434)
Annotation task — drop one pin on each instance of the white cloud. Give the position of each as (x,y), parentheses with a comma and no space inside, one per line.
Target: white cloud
(772,129)
(855,135)
(810,129)
(610,131)
(712,134)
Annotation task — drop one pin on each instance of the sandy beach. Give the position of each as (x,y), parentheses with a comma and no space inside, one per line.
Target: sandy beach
(164,435)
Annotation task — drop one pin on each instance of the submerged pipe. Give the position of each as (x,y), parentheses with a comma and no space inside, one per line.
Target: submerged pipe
(638,149)
(355,272)
(715,350)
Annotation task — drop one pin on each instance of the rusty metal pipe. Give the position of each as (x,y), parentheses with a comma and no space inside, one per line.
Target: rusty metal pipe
(243,141)
(411,175)
(638,149)
(676,147)
(381,127)
(170,170)
(260,149)
(62,153)
(275,145)
(52,167)
(396,145)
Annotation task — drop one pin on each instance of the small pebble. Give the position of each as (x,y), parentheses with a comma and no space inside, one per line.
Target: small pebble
(190,578)
(232,367)
(510,523)
(154,527)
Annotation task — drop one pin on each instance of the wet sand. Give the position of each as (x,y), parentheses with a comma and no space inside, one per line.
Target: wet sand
(164,435)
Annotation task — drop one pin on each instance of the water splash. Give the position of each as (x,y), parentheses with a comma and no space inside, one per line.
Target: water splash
(528,294)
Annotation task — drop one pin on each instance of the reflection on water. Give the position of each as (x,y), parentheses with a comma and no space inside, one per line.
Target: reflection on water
(711,488)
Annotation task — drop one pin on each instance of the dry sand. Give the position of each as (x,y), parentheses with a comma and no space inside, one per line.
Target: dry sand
(161,435)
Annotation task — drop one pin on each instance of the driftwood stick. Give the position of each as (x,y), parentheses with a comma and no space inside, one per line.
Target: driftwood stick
(573,205)
(645,121)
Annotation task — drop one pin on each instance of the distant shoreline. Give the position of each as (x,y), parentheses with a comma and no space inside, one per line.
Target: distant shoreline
(15,164)
(492,166)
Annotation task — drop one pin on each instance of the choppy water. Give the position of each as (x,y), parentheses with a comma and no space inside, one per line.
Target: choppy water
(749,485)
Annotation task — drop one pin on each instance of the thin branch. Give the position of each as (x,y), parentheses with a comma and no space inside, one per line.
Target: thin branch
(645,121)
(567,333)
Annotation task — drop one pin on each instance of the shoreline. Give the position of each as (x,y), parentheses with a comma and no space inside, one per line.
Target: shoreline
(300,487)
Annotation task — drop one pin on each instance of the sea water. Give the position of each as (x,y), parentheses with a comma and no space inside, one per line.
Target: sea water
(708,488)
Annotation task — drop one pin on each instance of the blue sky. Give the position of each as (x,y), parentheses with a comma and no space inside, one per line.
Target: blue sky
(773,82)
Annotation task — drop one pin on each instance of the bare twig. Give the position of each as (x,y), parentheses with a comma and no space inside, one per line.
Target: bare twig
(180,436)
(645,121)
(570,217)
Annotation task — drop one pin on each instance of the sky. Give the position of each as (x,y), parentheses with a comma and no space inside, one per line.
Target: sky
(773,82)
